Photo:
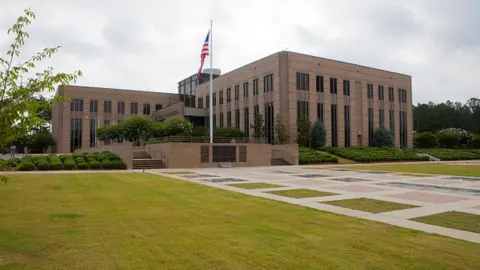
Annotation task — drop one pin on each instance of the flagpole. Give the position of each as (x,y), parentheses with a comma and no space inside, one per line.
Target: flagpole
(211,84)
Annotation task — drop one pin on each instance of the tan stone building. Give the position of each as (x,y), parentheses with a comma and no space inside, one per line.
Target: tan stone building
(351,100)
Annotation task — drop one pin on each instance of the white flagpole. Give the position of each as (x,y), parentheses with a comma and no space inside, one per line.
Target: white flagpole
(211,84)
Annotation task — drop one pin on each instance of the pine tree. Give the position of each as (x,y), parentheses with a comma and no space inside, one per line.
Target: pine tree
(319,135)
(281,133)
(258,126)
(303,131)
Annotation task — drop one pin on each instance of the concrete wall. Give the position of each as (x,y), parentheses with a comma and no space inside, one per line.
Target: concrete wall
(288,152)
(123,150)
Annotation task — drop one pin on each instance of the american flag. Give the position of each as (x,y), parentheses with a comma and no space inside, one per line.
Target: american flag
(205,52)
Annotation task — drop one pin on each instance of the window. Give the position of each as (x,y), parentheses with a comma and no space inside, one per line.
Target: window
(320,111)
(346,119)
(333,86)
(381,117)
(237,119)
(75,134)
(220,94)
(121,107)
(76,105)
(334,125)
(204,153)
(256,110)
(200,103)
(246,122)
(106,122)
(302,81)
(214,99)
(107,106)
(229,95)
(402,96)
(221,119)
(245,89)
(207,101)
(380,93)
(268,83)
(158,107)
(370,91)
(229,119)
(346,88)
(237,92)
(319,83)
(302,109)
(93,132)
(392,122)
(391,94)
(94,106)
(370,126)
(403,129)
(146,109)
(224,153)
(133,108)
(255,87)
(214,121)
(269,122)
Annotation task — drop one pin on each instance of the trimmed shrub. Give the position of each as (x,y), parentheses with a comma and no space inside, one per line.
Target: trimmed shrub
(118,164)
(319,135)
(370,154)
(43,165)
(426,140)
(64,157)
(27,159)
(69,164)
(56,165)
(95,165)
(113,156)
(450,154)
(12,162)
(37,159)
(475,142)
(448,140)
(79,160)
(382,137)
(90,156)
(91,160)
(26,166)
(83,166)
(76,155)
(309,156)
(107,164)
(102,156)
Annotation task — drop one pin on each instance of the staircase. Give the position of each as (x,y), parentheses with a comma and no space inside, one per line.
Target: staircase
(278,162)
(143,161)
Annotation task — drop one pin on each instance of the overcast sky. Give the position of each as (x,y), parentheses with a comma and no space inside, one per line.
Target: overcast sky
(151,45)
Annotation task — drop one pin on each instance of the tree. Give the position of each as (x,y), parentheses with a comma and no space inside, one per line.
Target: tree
(19,105)
(281,132)
(448,139)
(137,129)
(228,132)
(303,131)
(319,135)
(426,140)
(258,126)
(38,142)
(382,137)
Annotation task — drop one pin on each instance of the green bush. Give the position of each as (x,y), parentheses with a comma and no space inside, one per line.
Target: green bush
(382,137)
(319,135)
(83,166)
(475,142)
(64,157)
(43,165)
(26,166)
(448,140)
(69,164)
(112,156)
(426,140)
(53,158)
(12,162)
(79,160)
(89,156)
(371,154)
(90,159)
(95,164)
(310,156)
(27,159)
(102,156)
(56,165)
(76,155)
(37,159)
(107,164)
(228,132)
(450,154)
(118,164)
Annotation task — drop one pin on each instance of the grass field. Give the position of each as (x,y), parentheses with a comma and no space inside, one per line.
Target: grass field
(255,185)
(340,159)
(460,170)
(455,220)
(301,193)
(370,205)
(142,221)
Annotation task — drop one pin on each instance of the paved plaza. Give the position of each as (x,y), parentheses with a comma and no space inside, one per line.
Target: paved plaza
(425,194)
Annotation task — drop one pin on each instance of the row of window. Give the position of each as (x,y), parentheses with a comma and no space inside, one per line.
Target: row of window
(77,106)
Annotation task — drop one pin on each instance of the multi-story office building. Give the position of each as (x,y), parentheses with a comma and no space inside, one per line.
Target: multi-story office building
(351,100)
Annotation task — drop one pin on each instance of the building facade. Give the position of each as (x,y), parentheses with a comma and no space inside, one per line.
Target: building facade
(351,100)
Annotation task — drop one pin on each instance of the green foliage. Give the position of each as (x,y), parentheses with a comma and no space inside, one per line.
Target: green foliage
(20,83)
(319,135)
(64,157)
(26,166)
(303,131)
(38,142)
(75,155)
(426,140)
(228,132)
(465,136)
(79,160)
(475,142)
(27,159)
(310,156)
(258,126)
(56,165)
(200,131)
(12,162)
(95,165)
(382,137)
(39,159)
(107,164)
(83,166)
(89,156)
(113,156)
(69,164)
(177,126)
(450,154)
(448,140)
(119,165)
(43,165)
(281,132)
(371,154)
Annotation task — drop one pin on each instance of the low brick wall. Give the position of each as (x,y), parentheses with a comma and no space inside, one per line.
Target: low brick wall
(123,150)
(288,152)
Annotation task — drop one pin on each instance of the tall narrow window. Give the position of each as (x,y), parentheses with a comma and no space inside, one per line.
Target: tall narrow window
(333,86)
(381,117)
(237,119)
(245,89)
(334,125)
(346,119)
(93,132)
(302,109)
(268,83)
(246,122)
(380,93)
(76,105)
(120,107)
(269,122)
(256,110)
(159,106)
(403,129)
(302,81)
(200,103)
(220,94)
(229,119)
(319,84)
(107,106)
(221,119)
(370,91)
(75,134)
(214,99)
(370,126)
(146,109)
(207,101)
(392,122)
(255,87)
(94,106)
(346,88)
(229,95)
(133,108)
(237,92)
(320,111)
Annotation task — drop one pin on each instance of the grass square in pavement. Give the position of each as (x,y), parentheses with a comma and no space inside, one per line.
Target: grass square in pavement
(370,205)
(301,193)
(255,185)
(455,220)
(443,169)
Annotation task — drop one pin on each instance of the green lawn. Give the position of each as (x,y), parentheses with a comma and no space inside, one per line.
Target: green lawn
(142,221)
(370,205)
(301,193)
(340,159)
(255,185)
(455,220)
(460,170)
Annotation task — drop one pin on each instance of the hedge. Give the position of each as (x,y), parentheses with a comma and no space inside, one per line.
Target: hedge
(371,154)
(26,166)
(310,156)
(450,154)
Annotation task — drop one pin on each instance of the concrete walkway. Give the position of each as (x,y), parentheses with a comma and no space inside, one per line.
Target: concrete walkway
(432,195)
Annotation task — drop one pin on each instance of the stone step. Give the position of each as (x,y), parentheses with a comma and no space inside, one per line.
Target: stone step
(147,164)
(278,162)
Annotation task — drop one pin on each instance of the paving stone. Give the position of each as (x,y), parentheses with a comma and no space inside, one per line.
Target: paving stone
(349,179)
(426,197)
(358,188)
(307,182)
(454,190)
(222,180)
(313,175)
